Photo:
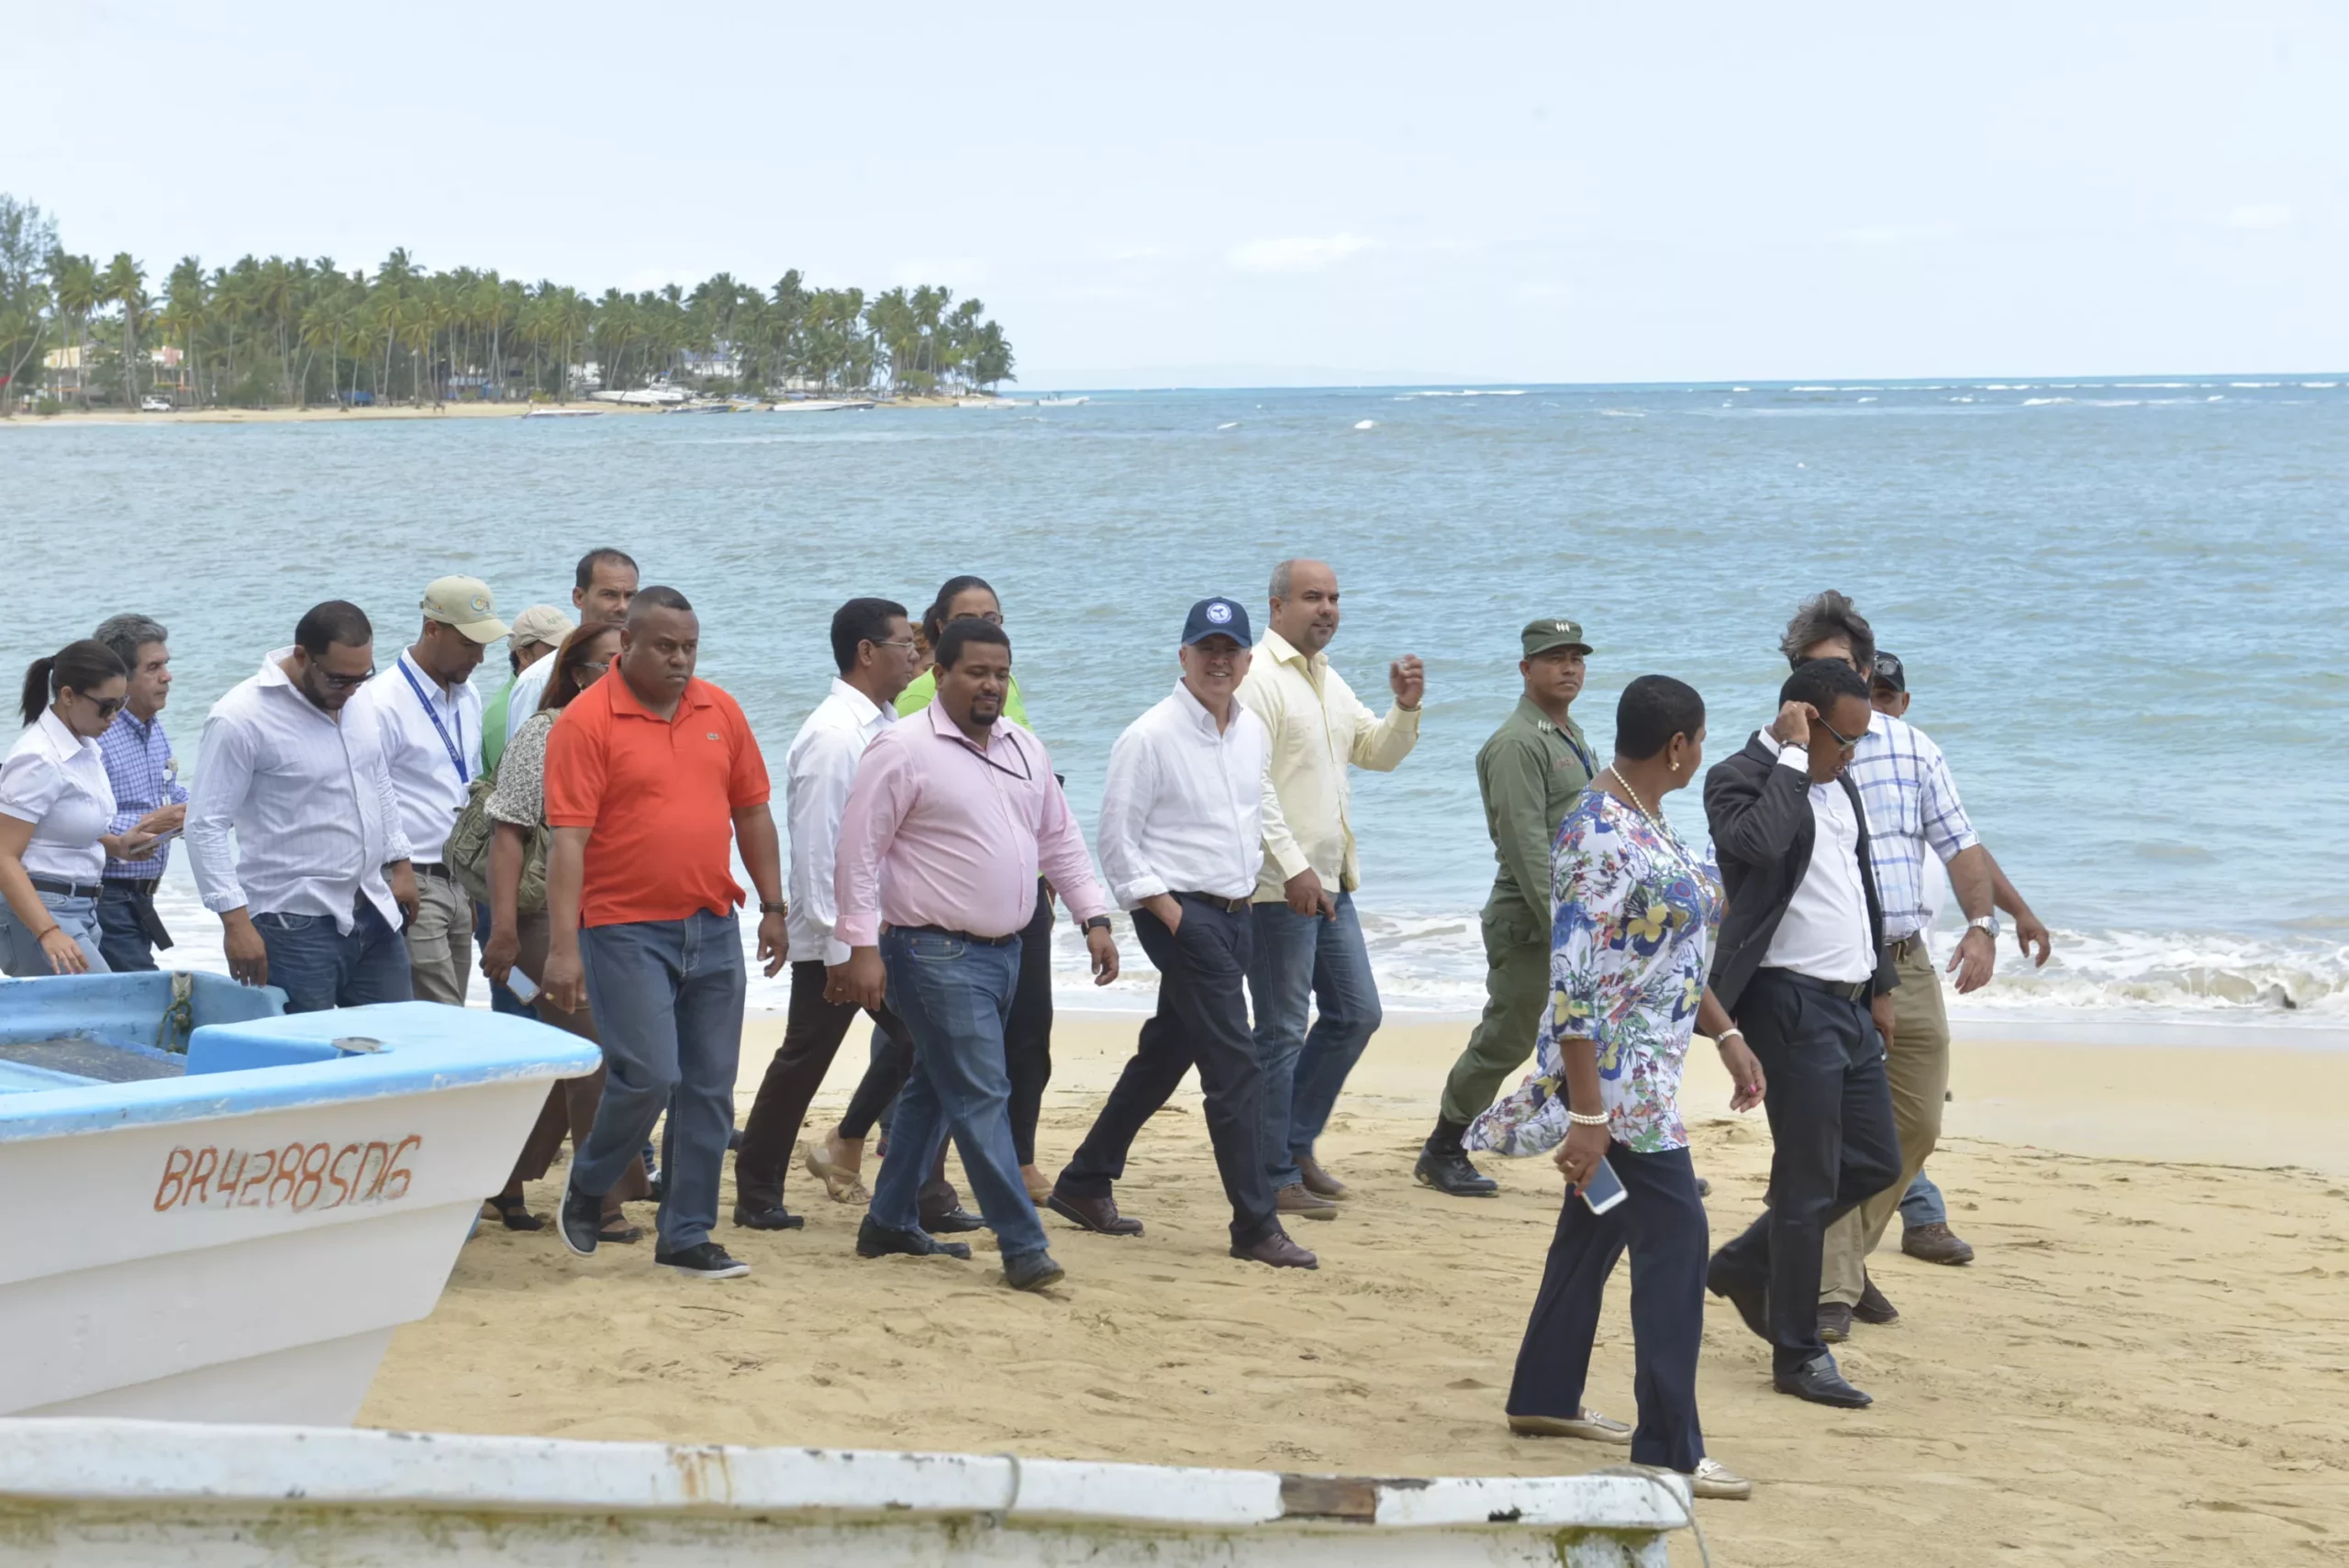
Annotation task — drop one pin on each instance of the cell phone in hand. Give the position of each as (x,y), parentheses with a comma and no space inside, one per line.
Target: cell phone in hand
(1604,1190)
(522,986)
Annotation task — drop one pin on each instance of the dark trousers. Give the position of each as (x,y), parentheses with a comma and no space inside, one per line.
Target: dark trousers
(1830,1122)
(1662,1221)
(812,1033)
(1028,1035)
(1202,1018)
(124,938)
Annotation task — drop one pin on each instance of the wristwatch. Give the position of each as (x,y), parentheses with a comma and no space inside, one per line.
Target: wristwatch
(1098,923)
(1984,923)
(773,907)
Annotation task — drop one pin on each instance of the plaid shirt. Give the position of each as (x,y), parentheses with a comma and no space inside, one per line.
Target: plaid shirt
(145,776)
(1911,803)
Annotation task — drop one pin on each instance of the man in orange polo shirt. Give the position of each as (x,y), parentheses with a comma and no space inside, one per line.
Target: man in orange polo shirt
(651,777)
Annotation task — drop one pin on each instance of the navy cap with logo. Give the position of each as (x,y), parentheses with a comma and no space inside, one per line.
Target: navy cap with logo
(1216,617)
(1889,674)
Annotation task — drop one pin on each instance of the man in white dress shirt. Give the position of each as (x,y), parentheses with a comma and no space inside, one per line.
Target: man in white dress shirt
(872,644)
(602,589)
(1310,961)
(314,891)
(429,715)
(1181,843)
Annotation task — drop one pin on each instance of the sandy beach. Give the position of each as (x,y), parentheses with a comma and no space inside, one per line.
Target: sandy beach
(580,406)
(2147,1362)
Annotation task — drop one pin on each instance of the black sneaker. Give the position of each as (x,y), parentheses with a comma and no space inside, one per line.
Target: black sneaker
(580,1220)
(875,1240)
(703,1260)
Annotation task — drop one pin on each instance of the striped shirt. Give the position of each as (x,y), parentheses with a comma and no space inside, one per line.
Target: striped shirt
(146,778)
(1911,805)
(309,799)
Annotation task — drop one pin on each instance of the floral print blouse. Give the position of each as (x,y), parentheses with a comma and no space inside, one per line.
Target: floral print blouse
(1628,949)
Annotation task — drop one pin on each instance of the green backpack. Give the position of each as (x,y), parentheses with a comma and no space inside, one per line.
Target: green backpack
(467,853)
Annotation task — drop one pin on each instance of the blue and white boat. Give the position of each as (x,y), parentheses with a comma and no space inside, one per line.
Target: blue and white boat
(221,1212)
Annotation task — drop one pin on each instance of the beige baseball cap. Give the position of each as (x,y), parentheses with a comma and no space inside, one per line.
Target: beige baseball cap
(541,623)
(466,603)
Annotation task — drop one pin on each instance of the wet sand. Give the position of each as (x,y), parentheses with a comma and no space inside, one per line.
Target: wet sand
(2147,1362)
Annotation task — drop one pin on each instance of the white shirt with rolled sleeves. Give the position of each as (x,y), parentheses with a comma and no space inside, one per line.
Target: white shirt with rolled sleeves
(308,799)
(818,771)
(431,789)
(1319,728)
(530,690)
(56,781)
(1824,932)
(1182,807)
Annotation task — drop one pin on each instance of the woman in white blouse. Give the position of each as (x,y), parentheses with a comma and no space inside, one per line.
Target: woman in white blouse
(55,804)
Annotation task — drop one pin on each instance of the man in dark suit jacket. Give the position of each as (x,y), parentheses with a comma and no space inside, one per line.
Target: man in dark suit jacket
(1801,966)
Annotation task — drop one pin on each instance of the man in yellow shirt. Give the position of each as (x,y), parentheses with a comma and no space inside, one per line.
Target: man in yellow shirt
(1308,947)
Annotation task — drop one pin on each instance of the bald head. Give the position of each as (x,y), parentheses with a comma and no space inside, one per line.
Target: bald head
(1305,604)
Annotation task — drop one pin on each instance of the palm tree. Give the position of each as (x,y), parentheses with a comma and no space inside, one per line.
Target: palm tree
(125,284)
(79,293)
(182,316)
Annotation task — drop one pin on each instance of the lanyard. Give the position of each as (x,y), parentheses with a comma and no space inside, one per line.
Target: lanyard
(1585,758)
(456,755)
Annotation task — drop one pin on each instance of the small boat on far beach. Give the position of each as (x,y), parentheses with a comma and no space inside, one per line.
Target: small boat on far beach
(822,405)
(223,1211)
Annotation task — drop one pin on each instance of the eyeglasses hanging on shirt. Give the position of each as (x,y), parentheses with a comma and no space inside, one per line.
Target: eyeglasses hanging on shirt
(1025,776)
(456,752)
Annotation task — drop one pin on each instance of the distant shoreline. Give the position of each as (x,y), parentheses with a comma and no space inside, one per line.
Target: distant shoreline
(76,416)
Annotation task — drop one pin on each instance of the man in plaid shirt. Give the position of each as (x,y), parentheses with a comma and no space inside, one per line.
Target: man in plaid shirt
(1911,805)
(146,792)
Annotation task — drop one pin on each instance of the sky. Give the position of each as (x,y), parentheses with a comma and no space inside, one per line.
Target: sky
(1217,194)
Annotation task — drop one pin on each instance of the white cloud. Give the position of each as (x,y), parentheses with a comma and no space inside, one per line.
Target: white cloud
(1301,253)
(2267,215)
(1884,235)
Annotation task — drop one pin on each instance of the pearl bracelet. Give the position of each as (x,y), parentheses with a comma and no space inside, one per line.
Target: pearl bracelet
(1729,1034)
(1581,1120)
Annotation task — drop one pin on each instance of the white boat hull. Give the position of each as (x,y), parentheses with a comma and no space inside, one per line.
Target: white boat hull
(131,1495)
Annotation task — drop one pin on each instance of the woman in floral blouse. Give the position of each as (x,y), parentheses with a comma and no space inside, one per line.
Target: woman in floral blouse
(1633,923)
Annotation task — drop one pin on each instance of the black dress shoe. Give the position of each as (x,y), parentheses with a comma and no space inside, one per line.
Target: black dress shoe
(766,1216)
(1873,1307)
(1449,1172)
(1834,1322)
(875,1240)
(1099,1215)
(1032,1271)
(1751,1297)
(953,1221)
(1817,1380)
(1279,1251)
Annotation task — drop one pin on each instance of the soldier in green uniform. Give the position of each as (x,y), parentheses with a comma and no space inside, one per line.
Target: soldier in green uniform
(1530,772)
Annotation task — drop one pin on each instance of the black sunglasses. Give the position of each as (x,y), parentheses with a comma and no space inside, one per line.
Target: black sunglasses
(343,682)
(1847,741)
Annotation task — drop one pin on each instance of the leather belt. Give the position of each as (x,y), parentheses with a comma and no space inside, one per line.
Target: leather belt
(1901,947)
(1849,990)
(433,868)
(959,936)
(67,889)
(1217,901)
(137,884)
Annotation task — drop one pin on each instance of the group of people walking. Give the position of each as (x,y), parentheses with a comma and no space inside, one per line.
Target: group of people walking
(357,830)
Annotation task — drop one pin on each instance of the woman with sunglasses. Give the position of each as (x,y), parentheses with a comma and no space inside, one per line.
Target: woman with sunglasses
(55,804)
(518,938)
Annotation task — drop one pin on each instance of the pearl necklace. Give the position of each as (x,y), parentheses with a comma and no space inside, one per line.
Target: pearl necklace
(1654,821)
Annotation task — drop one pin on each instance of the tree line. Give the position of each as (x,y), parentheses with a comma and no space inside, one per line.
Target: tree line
(274,331)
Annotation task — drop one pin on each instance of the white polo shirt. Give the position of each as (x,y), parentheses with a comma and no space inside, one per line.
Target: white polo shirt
(56,781)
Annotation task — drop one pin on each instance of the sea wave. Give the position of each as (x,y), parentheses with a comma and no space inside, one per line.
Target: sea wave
(1468,391)
(2042,402)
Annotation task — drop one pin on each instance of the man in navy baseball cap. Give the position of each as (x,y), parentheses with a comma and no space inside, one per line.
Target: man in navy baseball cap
(1216,617)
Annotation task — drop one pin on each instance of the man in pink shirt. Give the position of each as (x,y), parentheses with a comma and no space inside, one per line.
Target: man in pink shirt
(950,818)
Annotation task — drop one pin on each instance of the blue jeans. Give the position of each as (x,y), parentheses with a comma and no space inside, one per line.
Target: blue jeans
(121,936)
(667,1000)
(1301,961)
(319,967)
(954,998)
(501,1000)
(1922,1204)
(20,953)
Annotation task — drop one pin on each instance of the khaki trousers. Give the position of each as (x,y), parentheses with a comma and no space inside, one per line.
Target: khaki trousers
(1917,1066)
(441,942)
(1517,987)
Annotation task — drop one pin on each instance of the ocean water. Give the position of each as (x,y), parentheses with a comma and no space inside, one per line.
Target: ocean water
(2120,602)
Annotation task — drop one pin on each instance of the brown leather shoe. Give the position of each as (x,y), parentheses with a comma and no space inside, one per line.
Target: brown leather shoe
(1936,1243)
(1099,1215)
(1318,1182)
(1294,1199)
(1279,1251)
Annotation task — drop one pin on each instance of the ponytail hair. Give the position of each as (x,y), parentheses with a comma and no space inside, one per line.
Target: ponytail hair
(77,667)
(933,619)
